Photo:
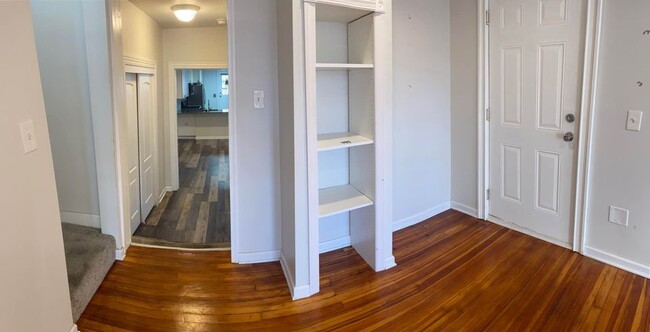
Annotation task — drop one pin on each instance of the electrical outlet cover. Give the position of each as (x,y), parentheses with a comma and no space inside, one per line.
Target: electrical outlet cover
(634,119)
(619,216)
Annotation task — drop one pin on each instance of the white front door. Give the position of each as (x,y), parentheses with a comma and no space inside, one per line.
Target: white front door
(536,51)
(146,139)
(131,94)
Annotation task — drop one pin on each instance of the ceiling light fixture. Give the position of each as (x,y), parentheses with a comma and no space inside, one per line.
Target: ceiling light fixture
(185,13)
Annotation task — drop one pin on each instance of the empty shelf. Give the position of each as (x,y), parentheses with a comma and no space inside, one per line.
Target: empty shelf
(335,141)
(343,66)
(340,199)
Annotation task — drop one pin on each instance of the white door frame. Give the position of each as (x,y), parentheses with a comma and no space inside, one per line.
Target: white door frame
(173,112)
(112,133)
(142,66)
(585,131)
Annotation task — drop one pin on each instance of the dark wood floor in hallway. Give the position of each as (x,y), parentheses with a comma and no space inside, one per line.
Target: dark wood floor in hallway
(454,273)
(198,214)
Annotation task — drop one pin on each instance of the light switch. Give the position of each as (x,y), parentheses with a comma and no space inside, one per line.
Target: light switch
(634,120)
(29,136)
(258,99)
(618,215)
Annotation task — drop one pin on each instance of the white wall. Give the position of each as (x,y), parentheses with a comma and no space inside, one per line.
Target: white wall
(34,280)
(620,161)
(464,105)
(258,168)
(60,40)
(196,44)
(422,185)
(142,39)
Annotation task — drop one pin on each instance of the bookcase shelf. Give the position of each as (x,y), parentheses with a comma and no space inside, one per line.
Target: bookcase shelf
(341,199)
(328,142)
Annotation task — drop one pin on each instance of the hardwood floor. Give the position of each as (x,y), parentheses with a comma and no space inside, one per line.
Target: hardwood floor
(454,273)
(198,214)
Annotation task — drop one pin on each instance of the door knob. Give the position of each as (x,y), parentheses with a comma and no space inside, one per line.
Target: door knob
(568,137)
(570,118)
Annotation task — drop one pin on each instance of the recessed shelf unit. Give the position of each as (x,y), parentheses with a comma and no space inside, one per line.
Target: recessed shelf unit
(347,73)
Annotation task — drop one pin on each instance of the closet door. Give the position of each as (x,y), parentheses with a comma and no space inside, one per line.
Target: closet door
(146,139)
(131,91)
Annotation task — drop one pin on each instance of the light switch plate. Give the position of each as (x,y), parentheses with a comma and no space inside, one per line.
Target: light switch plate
(619,216)
(29,136)
(258,99)
(634,119)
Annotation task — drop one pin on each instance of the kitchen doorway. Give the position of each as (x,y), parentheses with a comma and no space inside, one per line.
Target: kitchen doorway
(196,214)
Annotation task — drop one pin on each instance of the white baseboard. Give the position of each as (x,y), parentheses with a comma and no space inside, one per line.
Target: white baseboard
(162,194)
(422,216)
(619,262)
(297,293)
(198,138)
(464,209)
(83,219)
(74,328)
(389,263)
(258,257)
(529,232)
(335,244)
(120,254)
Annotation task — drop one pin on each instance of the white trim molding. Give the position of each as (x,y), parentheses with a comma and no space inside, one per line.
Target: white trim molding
(390,262)
(74,328)
(420,217)
(483,102)
(258,257)
(83,219)
(163,192)
(617,261)
(370,5)
(464,209)
(585,133)
(297,293)
(335,244)
(120,254)
(232,132)
(139,66)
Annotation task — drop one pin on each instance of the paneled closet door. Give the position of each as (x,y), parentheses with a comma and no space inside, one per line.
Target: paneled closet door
(131,94)
(146,139)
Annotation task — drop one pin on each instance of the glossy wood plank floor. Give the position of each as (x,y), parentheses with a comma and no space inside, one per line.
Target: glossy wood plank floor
(198,214)
(454,273)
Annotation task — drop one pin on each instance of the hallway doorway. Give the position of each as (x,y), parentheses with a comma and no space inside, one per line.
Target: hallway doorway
(198,214)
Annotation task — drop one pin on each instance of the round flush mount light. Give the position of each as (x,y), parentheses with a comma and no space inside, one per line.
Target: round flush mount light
(185,13)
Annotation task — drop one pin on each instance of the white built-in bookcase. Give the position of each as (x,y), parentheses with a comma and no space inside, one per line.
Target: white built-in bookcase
(347,72)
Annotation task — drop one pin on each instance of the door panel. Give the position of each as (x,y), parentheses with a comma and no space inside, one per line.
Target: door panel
(146,143)
(535,65)
(131,94)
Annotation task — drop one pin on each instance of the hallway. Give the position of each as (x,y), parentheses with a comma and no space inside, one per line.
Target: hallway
(198,214)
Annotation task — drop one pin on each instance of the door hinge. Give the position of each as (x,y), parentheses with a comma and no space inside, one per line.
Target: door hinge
(487,17)
(488,194)
(487,114)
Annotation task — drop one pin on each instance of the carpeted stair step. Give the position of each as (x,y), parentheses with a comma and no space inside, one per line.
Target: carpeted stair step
(89,255)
